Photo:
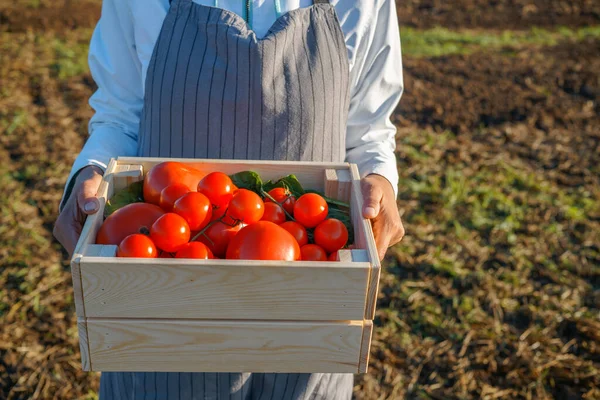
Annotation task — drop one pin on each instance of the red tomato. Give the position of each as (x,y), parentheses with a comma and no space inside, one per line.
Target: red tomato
(297,231)
(333,256)
(274,213)
(313,252)
(133,218)
(170,232)
(194,250)
(195,208)
(283,197)
(263,240)
(171,194)
(217,213)
(310,210)
(137,245)
(331,235)
(218,187)
(162,175)
(246,206)
(217,237)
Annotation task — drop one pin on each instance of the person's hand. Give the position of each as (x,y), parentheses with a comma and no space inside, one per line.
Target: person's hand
(380,207)
(81,203)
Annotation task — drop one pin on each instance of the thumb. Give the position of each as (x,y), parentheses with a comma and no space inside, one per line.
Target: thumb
(372,196)
(87,200)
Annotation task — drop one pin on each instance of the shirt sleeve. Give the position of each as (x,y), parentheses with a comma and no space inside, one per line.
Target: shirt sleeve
(118,100)
(378,86)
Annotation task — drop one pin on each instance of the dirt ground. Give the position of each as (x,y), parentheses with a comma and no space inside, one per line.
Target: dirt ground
(493,294)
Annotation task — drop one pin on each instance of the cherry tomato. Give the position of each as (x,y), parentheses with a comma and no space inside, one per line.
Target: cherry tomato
(263,240)
(162,175)
(283,197)
(218,187)
(195,208)
(217,237)
(313,252)
(137,245)
(171,194)
(310,210)
(246,206)
(170,232)
(333,256)
(274,213)
(194,250)
(297,231)
(130,219)
(217,213)
(331,234)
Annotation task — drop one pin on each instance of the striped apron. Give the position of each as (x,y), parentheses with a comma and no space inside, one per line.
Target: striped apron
(215,90)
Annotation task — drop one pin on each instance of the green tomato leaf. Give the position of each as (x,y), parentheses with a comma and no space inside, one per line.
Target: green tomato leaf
(134,193)
(248,180)
(289,182)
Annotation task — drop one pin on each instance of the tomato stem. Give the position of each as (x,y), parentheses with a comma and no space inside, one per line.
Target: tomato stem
(268,196)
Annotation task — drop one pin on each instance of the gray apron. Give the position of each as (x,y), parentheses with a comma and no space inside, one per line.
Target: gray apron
(215,90)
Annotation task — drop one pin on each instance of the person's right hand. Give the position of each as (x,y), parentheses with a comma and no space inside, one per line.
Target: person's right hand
(81,203)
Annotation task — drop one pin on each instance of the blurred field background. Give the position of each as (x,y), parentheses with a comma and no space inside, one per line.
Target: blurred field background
(494,293)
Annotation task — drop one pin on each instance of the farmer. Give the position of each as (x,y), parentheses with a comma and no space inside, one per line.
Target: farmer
(309,80)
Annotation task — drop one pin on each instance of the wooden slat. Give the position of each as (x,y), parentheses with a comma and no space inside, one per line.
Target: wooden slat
(84,348)
(224,346)
(100,250)
(77,287)
(365,349)
(364,239)
(126,174)
(162,288)
(94,221)
(310,174)
(338,184)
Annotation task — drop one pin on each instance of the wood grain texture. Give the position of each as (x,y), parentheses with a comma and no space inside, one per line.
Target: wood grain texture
(100,250)
(126,174)
(207,289)
(364,239)
(84,348)
(365,349)
(77,287)
(224,346)
(310,174)
(338,184)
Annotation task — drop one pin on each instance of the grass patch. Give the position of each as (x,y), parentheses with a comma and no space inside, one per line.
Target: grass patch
(440,41)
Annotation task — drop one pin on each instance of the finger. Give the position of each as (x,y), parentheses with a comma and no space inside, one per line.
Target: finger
(382,237)
(372,195)
(87,200)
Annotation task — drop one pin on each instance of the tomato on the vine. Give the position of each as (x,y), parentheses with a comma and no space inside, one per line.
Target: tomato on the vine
(195,208)
(310,210)
(218,187)
(162,175)
(297,230)
(170,232)
(130,219)
(283,197)
(273,213)
(217,237)
(246,206)
(195,250)
(263,240)
(313,252)
(137,245)
(331,234)
(171,194)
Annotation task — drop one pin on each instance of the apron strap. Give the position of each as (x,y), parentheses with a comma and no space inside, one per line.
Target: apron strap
(321,1)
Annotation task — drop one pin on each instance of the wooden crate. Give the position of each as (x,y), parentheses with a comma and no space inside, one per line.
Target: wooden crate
(227,315)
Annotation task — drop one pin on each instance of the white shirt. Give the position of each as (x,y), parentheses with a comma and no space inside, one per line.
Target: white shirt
(124,38)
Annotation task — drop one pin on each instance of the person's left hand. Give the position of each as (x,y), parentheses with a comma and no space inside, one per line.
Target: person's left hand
(380,207)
